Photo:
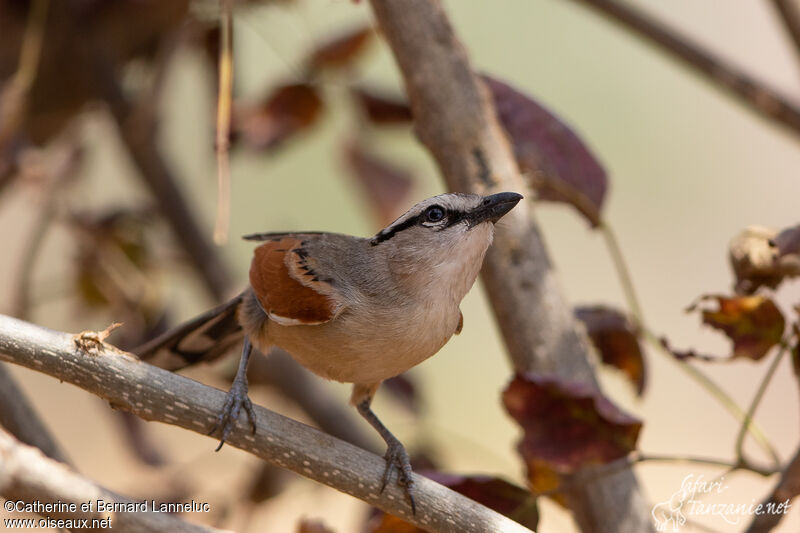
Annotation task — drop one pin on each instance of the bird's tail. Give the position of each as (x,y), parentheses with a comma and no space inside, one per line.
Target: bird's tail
(204,338)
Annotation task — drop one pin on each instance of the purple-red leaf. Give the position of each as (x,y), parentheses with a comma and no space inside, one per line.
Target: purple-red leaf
(286,111)
(382,109)
(495,493)
(386,186)
(404,390)
(308,525)
(754,324)
(788,241)
(567,426)
(341,51)
(562,167)
(616,339)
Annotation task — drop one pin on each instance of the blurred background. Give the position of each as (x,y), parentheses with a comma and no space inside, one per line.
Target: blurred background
(688,169)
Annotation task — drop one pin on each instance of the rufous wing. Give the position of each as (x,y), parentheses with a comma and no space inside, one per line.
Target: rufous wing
(286,286)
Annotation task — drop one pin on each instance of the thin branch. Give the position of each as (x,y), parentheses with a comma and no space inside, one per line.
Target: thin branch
(139,137)
(155,394)
(63,159)
(19,417)
(732,407)
(789,11)
(762,388)
(635,307)
(13,99)
(28,476)
(719,394)
(33,245)
(731,466)
(224,98)
(455,119)
(623,273)
(753,94)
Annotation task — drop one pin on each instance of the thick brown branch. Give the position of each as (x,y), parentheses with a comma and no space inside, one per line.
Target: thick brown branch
(789,11)
(155,394)
(456,121)
(28,476)
(753,94)
(787,489)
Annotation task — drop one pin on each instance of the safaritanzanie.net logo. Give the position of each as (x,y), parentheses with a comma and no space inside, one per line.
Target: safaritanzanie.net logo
(699,497)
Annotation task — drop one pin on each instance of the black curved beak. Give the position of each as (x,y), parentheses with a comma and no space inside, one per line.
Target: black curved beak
(493,207)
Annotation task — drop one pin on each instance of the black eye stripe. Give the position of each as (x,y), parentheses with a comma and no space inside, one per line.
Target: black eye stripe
(452,217)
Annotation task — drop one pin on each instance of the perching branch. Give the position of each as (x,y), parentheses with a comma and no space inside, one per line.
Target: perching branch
(155,394)
(28,476)
(456,121)
(299,385)
(753,94)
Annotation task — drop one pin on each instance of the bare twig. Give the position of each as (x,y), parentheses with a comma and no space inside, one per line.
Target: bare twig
(753,94)
(635,307)
(456,121)
(44,219)
(788,486)
(710,461)
(13,99)
(762,388)
(789,11)
(155,394)
(28,476)
(19,417)
(224,98)
(140,140)
(62,160)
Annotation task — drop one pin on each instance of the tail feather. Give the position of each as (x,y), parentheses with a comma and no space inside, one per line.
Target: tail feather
(204,338)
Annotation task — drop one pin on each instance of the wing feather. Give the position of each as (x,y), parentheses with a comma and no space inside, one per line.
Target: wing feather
(286,285)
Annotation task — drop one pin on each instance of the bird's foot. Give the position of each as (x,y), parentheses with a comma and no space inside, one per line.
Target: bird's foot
(397,458)
(234,401)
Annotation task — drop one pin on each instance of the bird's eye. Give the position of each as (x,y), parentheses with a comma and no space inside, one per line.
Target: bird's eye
(434,213)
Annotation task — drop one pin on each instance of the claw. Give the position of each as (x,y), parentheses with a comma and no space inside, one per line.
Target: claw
(226,419)
(397,458)
(234,401)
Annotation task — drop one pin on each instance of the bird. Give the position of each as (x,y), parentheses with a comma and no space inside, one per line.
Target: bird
(351,309)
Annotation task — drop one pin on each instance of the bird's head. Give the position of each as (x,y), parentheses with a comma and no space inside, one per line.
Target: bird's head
(445,237)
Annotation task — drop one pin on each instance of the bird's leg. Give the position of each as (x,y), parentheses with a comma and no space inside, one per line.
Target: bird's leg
(236,399)
(396,455)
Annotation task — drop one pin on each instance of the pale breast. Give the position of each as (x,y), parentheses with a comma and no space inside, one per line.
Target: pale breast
(367,348)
